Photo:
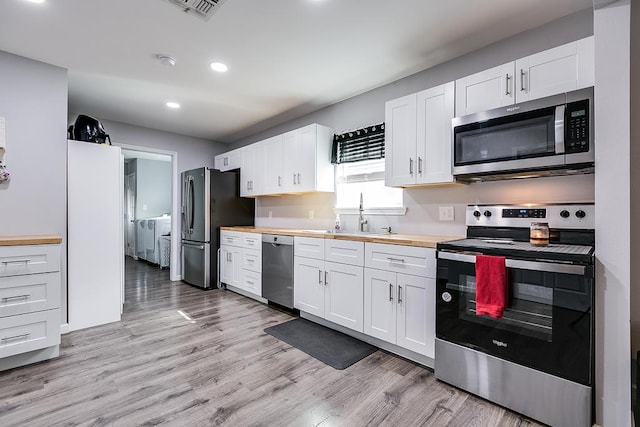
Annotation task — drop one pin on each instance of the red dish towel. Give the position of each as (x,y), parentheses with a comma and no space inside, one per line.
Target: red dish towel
(491,285)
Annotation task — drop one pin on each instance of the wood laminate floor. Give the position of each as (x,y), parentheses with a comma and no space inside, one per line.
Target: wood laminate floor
(186,357)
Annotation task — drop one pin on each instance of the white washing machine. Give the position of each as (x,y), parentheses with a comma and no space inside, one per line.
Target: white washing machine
(141,230)
(155,228)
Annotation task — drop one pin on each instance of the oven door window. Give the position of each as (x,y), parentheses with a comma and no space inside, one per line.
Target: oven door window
(547,324)
(519,136)
(530,310)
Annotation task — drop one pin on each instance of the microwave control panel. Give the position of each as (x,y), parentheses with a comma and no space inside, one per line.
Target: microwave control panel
(577,127)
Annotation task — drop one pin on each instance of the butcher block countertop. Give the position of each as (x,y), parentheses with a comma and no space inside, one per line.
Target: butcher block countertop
(425,241)
(31,239)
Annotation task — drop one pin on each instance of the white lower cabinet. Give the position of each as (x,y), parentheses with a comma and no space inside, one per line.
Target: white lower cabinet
(398,307)
(230,265)
(241,261)
(327,289)
(29,303)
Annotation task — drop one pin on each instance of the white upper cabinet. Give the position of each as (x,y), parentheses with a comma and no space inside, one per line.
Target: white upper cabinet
(485,90)
(272,165)
(418,137)
(561,69)
(251,176)
(229,160)
(307,160)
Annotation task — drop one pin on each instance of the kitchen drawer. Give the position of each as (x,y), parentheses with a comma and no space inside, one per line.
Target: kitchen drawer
(344,251)
(29,259)
(28,332)
(29,293)
(252,240)
(252,282)
(401,259)
(252,260)
(231,238)
(309,247)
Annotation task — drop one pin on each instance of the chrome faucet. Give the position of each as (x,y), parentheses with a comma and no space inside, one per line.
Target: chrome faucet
(361,221)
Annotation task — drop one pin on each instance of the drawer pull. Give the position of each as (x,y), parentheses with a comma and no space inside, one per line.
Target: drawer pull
(250,261)
(250,282)
(16,337)
(7,299)
(19,261)
(401,260)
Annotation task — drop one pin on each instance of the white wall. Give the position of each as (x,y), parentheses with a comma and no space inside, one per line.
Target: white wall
(33,99)
(153,188)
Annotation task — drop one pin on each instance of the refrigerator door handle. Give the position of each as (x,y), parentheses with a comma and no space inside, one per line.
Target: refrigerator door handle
(191,205)
(218,281)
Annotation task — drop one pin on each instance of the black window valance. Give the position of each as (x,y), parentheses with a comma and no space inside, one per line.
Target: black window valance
(361,144)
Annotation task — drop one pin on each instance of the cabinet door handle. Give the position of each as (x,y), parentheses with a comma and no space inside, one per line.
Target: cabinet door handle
(248,188)
(294,178)
(320,277)
(507,84)
(410,166)
(419,164)
(399,294)
(326,278)
(390,292)
(298,178)
(279,181)
(18,261)
(16,337)
(7,299)
(522,79)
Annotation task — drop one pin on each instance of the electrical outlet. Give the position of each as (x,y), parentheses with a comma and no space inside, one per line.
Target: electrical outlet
(446,213)
(311,214)
(270,213)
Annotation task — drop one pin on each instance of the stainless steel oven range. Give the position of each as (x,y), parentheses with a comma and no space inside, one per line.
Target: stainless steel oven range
(537,359)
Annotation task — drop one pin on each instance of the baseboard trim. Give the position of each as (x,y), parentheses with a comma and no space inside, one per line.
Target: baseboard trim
(64,329)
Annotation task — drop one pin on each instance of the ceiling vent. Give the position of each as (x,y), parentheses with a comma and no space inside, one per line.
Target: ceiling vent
(202,8)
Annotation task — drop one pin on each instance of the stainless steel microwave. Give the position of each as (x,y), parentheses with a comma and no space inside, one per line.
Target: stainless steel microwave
(547,136)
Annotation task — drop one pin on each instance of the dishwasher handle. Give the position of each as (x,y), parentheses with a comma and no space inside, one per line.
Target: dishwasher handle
(277,239)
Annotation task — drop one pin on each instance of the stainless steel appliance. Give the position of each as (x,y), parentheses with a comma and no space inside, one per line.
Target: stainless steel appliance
(538,358)
(277,269)
(547,136)
(210,200)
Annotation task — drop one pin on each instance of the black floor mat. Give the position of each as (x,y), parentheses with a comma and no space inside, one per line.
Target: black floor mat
(328,346)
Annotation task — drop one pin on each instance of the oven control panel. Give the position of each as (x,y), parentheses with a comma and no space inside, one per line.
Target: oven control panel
(574,215)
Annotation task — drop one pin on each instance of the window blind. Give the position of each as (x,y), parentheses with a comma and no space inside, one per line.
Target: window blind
(362,144)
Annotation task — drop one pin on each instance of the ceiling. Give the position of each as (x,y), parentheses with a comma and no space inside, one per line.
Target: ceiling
(285,57)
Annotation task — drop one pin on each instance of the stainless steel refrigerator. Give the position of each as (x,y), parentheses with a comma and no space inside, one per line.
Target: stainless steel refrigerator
(210,200)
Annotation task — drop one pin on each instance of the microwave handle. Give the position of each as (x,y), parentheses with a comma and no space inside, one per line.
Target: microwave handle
(559,129)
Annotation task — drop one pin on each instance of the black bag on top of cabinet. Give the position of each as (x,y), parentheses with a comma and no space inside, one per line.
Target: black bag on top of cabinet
(88,129)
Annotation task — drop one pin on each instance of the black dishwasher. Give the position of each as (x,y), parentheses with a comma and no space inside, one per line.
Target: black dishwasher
(277,269)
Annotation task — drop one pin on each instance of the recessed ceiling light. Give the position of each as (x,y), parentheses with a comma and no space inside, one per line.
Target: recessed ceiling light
(166,60)
(36,1)
(173,105)
(219,67)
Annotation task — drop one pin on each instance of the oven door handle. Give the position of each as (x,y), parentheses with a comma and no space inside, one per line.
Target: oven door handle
(520,264)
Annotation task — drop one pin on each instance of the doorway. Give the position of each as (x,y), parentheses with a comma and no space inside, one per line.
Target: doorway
(150,208)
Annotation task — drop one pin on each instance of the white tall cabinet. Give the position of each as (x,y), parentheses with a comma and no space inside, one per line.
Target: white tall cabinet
(95,234)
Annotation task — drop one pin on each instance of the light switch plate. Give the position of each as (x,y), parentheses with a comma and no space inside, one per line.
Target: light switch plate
(270,213)
(311,214)
(446,213)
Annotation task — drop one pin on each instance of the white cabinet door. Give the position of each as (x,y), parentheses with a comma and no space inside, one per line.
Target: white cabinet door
(416,314)
(290,168)
(344,295)
(231,265)
(305,161)
(485,90)
(400,141)
(561,69)
(308,285)
(229,160)
(251,171)
(435,109)
(273,165)
(380,304)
